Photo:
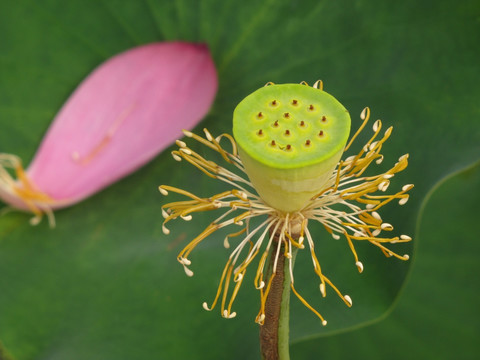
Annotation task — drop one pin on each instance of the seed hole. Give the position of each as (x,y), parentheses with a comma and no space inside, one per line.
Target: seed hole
(286,115)
(311,108)
(307,143)
(324,118)
(275,123)
(287,132)
(294,102)
(302,123)
(274,103)
(320,133)
(289,147)
(260,115)
(260,132)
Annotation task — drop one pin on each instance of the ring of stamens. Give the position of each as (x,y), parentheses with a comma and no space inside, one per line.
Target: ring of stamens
(356,222)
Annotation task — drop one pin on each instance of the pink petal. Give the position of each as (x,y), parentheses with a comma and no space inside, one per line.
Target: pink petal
(123,114)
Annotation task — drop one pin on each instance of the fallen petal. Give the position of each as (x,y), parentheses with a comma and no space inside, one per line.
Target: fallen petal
(123,114)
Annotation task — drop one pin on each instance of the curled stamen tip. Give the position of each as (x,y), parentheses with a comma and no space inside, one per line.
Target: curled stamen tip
(324,322)
(261,319)
(376,125)
(405,237)
(239,277)
(162,191)
(229,316)
(240,223)
(403,201)
(364,113)
(186,151)
(348,299)
(165,230)
(188,271)
(288,255)
(386,226)
(262,285)
(406,256)
(35,220)
(176,157)
(373,145)
(335,236)
(322,289)
(205,306)
(187,133)
(407,187)
(383,186)
(180,143)
(186,217)
(164,214)
(184,261)
(208,135)
(359,266)
(226,244)
(370,206)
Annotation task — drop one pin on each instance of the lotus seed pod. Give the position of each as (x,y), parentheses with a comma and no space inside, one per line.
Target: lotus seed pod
(290,139)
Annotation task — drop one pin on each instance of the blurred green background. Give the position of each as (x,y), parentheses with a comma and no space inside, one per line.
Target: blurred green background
(105,283)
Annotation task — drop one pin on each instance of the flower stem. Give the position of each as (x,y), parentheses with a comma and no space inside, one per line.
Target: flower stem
(274,333)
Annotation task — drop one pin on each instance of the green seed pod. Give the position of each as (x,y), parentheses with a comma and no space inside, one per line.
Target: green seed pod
(290,139)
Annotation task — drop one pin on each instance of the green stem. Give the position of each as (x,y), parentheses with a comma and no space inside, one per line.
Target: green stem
(284,318)
(274,333)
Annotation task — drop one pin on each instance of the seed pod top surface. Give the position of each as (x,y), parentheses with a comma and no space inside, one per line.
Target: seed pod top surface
(290,126)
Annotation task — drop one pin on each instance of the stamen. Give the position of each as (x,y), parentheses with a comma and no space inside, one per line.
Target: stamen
(188,271)
(187,133)
(318,85)
(176,157)
(407,187)
(165,230)
(322,289)
(180,143)
(403,201)
(387,226)
(359,266)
